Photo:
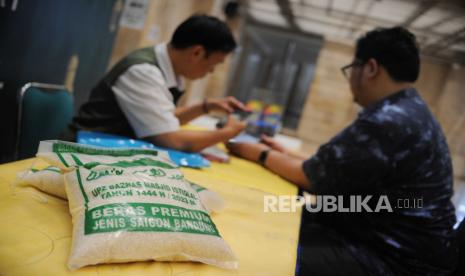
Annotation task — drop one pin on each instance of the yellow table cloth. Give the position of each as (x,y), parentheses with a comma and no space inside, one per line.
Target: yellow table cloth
(35,233)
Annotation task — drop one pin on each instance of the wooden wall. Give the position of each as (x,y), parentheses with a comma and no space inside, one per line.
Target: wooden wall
(329,107)
(450,112)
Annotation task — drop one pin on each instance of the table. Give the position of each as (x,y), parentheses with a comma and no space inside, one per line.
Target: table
(35,232)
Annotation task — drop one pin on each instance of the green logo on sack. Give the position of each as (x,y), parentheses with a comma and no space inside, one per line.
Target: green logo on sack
(60,147)
(93,175)
(147,217)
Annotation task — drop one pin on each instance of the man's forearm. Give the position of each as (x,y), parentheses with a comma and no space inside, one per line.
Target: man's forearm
(191,141)
(188,113)
(287,167)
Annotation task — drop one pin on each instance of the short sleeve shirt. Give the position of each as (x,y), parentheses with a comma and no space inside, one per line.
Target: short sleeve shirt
(143,94)
(395,148)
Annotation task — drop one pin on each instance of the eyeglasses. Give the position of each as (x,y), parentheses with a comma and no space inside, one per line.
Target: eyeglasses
(347,70)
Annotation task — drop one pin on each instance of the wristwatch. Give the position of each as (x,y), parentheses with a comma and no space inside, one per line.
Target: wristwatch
(263,156)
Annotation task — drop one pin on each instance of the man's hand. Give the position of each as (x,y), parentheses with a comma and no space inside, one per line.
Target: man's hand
(272,143)
(247,151)
(275,145)
(234,126)
(228,105)
(195,141)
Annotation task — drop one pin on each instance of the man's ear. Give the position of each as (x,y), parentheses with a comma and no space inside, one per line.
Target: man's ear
(198,52)
(371,68)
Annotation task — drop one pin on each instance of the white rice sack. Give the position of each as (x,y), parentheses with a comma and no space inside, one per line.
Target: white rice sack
(211,200)
(49,180)
(133,207)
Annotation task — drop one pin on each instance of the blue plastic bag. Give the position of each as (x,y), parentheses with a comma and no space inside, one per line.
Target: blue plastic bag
(193,160)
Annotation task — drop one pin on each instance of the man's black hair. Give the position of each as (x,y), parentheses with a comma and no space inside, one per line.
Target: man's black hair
(207,31)
(393,48)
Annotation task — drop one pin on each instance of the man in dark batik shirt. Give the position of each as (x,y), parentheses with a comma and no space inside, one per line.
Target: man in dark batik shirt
(395,148)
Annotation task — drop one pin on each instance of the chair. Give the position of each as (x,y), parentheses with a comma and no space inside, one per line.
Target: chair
(44,112)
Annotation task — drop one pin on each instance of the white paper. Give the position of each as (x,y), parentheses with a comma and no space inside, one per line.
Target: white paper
(134,14)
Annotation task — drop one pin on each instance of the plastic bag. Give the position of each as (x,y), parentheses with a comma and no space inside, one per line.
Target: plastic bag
(193,160)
